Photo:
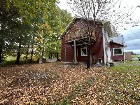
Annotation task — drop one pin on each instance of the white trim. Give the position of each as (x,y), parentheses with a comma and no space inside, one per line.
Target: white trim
(86,51)
(75,60)
(117,54)
(104,45)
(124,54)
(108,51)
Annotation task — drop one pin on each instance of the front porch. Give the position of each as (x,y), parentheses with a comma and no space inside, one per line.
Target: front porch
(80,50)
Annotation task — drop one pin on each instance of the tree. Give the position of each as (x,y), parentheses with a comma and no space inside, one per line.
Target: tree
(31,26)
(117,12)
(105,10)
(87,9)
(8,22)
(58,22)
(16,19)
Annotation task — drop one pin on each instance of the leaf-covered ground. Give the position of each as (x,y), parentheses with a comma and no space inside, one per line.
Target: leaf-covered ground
(59,84)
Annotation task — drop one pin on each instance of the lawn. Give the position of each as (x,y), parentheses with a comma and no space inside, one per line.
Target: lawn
(135,56)
(59,84)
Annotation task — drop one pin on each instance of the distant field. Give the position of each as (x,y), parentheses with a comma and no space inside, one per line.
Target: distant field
(59,84)
(134,56)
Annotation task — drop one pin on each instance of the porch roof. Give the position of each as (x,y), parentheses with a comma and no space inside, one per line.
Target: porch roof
(81,41)
(118,40)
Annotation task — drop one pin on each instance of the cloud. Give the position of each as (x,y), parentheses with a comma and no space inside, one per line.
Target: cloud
(132,39)
(131,34)
(133,44)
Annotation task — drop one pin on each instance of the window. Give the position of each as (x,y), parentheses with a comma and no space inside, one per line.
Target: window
(84,51)
(117,51)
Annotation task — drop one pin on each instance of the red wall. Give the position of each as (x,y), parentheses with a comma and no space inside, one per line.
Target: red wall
(97,46)
(116,57)
(68,50)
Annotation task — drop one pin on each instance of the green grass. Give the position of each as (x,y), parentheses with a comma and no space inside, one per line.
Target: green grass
(134,56)
(11,60)
(116,85)
(121,84)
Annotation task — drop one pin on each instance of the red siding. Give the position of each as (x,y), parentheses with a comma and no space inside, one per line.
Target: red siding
(80,25)
(67,53)
(97,47)
(81,58)
(116,57)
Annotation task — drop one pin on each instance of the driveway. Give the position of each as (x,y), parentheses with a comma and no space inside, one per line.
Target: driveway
(135,59)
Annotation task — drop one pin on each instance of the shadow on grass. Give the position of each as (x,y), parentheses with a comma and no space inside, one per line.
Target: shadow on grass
(13,62)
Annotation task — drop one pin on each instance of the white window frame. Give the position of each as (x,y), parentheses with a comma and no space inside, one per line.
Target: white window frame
(117,54)
(86,51)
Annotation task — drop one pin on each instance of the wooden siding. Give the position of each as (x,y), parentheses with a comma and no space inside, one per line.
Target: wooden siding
(67,50)
(116,57)
(80,30)
(128,56)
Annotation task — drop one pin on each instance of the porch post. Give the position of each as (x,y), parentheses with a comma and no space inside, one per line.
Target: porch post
(104,45)
(75,60)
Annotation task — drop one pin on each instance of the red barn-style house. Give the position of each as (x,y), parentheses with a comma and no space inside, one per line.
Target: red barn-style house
(74,42)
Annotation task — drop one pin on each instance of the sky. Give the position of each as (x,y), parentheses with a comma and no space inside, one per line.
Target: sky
(132,39)
(131,34)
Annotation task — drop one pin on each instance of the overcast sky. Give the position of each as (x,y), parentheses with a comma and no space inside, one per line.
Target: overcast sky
(131,34)
(132,39)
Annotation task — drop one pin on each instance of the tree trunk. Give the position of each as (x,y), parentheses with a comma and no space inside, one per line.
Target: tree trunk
(26,58)
(50,55)
(41,55)
(0,55)
(42,52)
(57,56)
(32,52)
(41,60)
(89,62)
(18,55)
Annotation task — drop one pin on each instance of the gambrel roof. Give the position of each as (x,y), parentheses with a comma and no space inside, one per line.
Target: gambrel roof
(105,24)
